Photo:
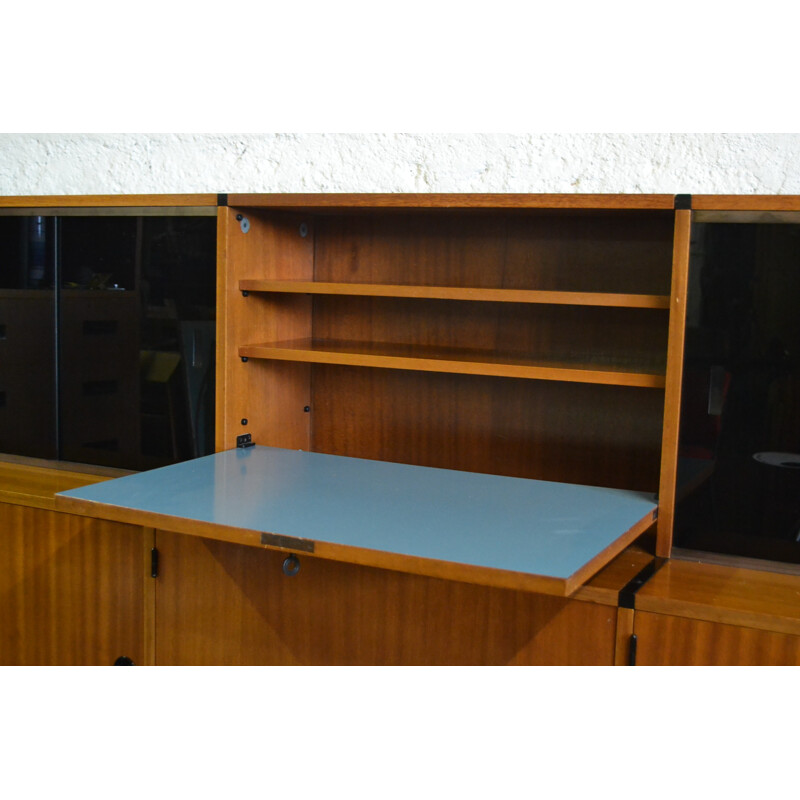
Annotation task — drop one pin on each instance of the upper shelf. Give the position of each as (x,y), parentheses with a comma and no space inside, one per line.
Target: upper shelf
(458,293)
(453,360)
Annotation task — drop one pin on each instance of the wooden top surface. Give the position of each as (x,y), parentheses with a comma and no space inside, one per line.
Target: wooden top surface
(35,482)
(108,200)
(727,594)
(745,202)
(489,529)
(453,200)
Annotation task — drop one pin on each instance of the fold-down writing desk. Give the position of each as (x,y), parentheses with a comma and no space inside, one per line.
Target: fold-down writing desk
(506,532)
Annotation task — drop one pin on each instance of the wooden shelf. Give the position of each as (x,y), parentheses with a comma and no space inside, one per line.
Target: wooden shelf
(451,360)
(458,293)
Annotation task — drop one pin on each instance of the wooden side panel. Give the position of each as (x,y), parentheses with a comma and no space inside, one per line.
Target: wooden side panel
(270,396)
(676,641)
(672,397)
(221,603)
(71,590)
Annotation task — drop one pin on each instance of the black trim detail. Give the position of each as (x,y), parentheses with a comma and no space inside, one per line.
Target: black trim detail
(287,542)
(245,440)
(683,202)
(627,594)
(222,199)
(632,650)
(154,563)
(124,661)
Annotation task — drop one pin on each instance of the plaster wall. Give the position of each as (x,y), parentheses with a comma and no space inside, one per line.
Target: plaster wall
(740,163)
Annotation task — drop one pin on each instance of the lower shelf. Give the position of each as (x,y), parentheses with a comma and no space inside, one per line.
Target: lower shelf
(498,531)
(454,360)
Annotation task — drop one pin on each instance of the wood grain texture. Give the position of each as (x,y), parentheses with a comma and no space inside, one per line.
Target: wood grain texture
(334,613)
(604,587)
(70,589)
(459,293)
(732,595)
(672,399)
(746,202)
(34,482)
(400,200)
(271,397)
(107,200)
(625,340)
(626,252)
(149,609)
(664,640)
(573,433)
(441,359)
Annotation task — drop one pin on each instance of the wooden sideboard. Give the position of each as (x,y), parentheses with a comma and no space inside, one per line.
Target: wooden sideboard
(533,338)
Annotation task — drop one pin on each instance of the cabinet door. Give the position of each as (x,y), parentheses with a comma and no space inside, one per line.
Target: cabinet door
(673,641)
(221,603)
(71,589)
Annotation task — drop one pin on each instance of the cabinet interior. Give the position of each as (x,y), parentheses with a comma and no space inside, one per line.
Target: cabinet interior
(359,339)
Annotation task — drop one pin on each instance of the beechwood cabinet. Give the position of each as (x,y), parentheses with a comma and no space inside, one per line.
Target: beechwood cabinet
(448,430)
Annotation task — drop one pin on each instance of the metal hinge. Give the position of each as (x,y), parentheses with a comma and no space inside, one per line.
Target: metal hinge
(632,651)
(154,563)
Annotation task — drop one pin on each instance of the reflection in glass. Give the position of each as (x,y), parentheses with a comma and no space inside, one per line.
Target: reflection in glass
(27,337)
(740,415)
(135,340)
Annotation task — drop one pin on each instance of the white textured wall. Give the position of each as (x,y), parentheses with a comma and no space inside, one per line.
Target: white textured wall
(154,163)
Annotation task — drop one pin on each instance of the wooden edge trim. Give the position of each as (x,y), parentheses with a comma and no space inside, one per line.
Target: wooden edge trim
(727,616)
(453,200)
(223,270)
(674,379)
(622,639)
(421,364)
(36,486)
(600,595)
(579,577)
(71,468)
(30,500)
(107,200)
(543,297)
(733,202)
(467,573)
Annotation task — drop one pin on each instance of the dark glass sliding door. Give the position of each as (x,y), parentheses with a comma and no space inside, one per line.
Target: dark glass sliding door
(740,416)
(107,338)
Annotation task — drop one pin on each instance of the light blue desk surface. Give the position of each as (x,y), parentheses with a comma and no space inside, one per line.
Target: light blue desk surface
(529,526)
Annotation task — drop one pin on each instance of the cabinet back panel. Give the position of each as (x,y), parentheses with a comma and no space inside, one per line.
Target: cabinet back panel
(635,338)
(617,252)
(549,430)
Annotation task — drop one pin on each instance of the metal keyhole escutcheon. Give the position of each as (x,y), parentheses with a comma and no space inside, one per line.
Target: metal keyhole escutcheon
(291,566)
